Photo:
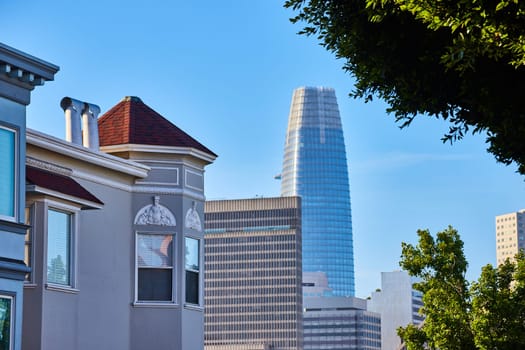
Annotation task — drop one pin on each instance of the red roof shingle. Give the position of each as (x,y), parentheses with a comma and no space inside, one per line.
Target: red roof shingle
(58,183)
(131,121)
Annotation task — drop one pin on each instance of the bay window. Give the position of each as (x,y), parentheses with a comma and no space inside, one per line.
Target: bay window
(154,267)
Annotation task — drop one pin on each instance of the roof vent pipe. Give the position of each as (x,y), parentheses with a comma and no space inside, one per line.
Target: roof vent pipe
(72,109)
(90,126)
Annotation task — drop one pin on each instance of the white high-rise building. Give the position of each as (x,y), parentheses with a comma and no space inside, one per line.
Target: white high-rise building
(398,303)
(510,235)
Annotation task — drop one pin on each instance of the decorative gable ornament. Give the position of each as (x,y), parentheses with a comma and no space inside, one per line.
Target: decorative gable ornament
(155,214)
(193,219)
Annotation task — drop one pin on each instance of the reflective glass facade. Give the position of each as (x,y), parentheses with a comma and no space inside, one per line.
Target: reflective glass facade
(315,168)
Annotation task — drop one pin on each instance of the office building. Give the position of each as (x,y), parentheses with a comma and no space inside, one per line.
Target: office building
(398,303)
(340,323)
(253,297)
(315,168)
(116,239)
(510,235)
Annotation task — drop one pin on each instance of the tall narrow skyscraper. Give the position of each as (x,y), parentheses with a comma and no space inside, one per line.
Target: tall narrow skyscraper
(315,169)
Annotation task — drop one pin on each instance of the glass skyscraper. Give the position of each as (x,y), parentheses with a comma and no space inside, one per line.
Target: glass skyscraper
(315,169)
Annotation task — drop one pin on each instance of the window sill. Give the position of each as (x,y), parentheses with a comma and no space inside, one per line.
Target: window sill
(161,305)
(193,307)
(63,289)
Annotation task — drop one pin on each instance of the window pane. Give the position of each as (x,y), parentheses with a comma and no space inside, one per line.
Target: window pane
(58,247)
(155,250)
(5,323)
(192,254)
(155,284)
(192,287)
(192,270)
(7,173)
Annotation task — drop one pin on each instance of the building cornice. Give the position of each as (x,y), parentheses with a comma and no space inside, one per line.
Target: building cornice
(104,160)
(185,151)
(27,63)
(21,72)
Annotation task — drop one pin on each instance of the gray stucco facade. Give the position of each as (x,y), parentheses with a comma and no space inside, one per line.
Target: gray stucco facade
(19,74)
(126,283)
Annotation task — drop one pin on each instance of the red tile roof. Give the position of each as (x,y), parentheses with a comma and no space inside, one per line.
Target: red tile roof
(133,122)
(58,183)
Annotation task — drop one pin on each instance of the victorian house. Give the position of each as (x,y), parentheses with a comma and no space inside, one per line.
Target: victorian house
(116,240)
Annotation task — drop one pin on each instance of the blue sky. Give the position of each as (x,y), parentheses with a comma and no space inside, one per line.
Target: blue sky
(224,72)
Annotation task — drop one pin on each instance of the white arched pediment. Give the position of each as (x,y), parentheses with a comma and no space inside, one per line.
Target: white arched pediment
(155,214)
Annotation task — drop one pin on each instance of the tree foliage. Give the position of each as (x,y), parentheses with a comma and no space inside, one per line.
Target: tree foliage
(462,61)
(486,314)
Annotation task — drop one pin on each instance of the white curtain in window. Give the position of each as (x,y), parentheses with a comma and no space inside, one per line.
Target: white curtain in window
(154,250)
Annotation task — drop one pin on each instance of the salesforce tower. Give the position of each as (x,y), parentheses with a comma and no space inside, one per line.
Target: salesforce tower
(315,168)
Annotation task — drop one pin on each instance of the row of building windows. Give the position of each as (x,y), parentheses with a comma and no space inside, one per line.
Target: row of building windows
(277,214)
(244,283)
(275,300)
(221,249)
(218,291)
(222,241)
(246,274)
(261,264)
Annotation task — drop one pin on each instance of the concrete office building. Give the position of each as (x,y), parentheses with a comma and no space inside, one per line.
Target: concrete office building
(20,73)
(510,235)
(398,303)
(116,245)
(253,297)
(315,168)
(340,323)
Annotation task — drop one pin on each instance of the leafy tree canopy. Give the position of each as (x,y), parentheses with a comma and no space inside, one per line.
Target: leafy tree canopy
(459,60)
(487,314)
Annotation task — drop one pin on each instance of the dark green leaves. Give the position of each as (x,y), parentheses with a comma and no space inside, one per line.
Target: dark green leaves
(462,61)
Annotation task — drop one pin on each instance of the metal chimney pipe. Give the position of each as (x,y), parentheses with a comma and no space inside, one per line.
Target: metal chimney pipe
(72,109)
(90,126)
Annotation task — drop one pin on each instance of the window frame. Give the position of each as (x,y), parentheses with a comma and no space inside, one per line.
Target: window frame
(168,303)
(16,172)
(200,284)
(29,251)
(72,286)
(11,298)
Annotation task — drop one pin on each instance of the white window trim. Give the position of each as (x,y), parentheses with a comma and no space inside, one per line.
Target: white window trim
(161,304)
(11,318)
(16,192)
(198,306)
(73,211)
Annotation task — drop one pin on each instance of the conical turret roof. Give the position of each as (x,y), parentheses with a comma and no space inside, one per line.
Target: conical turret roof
(131,121)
